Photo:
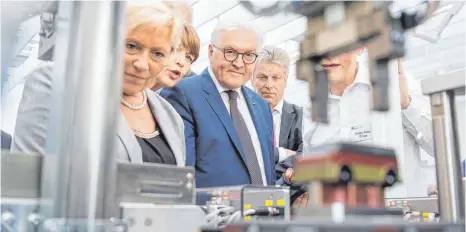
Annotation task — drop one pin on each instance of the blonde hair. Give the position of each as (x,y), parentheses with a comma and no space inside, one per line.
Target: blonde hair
(156,14)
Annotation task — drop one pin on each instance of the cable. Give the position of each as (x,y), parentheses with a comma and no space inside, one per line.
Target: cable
(234,217)
(218,214)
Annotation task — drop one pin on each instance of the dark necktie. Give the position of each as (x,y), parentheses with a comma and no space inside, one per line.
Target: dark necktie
(251,158)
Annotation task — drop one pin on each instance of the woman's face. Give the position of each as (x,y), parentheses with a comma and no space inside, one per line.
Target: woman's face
(178,66)
(147,50)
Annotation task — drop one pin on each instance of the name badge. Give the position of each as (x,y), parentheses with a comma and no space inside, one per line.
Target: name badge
(361,133)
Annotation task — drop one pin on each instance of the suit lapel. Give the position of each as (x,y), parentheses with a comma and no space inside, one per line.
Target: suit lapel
(128,139)
(288,116)
(167,125)
(215,101)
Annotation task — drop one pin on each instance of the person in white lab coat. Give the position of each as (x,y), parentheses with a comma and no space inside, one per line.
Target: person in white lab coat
(349,114)
(350,102)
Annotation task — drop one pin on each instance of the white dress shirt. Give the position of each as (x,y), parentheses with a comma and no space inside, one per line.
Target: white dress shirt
(352,110)
(277,121)
(350,117)
(243,108)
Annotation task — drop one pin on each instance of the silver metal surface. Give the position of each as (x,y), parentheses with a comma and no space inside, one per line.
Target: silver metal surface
(245,197)
(20,175)
(22,211)
(173,218)
(155,183)
(83,164)
(362,225)
(341,214)
(449,81)
(55,162)
(269,197)
(80,225)
(447,157)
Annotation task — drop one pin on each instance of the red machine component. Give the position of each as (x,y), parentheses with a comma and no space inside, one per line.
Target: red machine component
(355,175)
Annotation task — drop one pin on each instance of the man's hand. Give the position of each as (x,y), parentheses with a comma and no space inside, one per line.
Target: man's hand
(290,153)
(404,95)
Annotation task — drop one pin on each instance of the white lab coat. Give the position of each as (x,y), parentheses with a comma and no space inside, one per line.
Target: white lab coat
(350,120)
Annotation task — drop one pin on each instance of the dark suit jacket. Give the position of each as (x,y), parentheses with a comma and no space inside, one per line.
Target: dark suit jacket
(212,144)
(291,136)
(5,140)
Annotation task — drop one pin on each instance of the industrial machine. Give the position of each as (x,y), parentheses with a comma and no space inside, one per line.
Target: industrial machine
(364,23)
(75,187)
(421,209)
(269,203)
(146,195)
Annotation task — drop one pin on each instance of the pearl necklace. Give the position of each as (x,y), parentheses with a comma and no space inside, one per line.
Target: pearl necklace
(144,102)
(146,135)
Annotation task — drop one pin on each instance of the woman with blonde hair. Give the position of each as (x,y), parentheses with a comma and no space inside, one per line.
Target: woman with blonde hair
(148,128)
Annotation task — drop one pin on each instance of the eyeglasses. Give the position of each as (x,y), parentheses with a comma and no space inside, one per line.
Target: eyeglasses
(231,55)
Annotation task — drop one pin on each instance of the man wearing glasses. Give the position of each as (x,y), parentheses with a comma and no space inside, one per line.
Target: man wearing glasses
(228,127)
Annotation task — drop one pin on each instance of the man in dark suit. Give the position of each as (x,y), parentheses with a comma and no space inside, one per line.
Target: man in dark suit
(5,140)
(269,81)
(228,127)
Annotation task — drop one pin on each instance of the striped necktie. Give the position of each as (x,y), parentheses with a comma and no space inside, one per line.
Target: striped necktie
(246,142)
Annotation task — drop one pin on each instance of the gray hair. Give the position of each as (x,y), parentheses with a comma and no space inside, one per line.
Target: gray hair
(275,55)
(230,26)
